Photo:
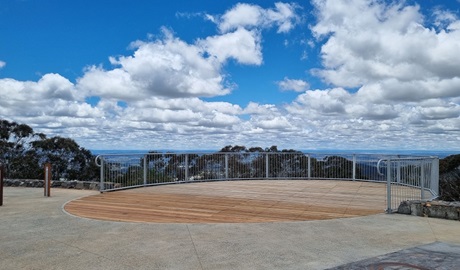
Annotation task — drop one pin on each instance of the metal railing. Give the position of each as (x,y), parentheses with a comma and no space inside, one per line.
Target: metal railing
(403,175)
(410,178)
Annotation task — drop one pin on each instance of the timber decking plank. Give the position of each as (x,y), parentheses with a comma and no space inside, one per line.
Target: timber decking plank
(235,201)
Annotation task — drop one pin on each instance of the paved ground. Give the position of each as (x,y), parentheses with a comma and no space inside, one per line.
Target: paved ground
(35,233)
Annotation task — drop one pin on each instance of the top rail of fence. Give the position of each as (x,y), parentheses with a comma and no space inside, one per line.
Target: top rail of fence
(120,171)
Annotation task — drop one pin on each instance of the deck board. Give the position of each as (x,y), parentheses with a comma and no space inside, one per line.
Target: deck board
(235,201)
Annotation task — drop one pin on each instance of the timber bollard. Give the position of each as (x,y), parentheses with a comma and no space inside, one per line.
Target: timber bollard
(2,172)
(47,183)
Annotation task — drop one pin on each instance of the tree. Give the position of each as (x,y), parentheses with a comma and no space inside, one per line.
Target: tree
(24,153)
(67,158)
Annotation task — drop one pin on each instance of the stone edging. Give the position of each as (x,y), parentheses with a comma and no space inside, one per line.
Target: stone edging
(54,184)
(435,209)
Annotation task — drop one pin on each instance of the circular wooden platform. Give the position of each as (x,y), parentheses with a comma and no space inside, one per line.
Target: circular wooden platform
(235,201)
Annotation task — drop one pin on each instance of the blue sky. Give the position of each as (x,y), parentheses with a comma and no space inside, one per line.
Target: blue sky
(321,74)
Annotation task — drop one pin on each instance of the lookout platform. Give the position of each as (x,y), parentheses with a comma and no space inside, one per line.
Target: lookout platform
(247,201)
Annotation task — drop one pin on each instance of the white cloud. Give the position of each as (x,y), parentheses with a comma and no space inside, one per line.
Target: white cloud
(294,85)
(405,79)
(242,15)
(2,64)
(443,18)
(319,104)
(242,45)
(264,109)
(250,16)
(52,101)
(166,68)
(278,123)
(386,48)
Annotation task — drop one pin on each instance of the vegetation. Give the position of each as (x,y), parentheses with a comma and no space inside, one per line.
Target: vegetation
(449,178)
(24,153)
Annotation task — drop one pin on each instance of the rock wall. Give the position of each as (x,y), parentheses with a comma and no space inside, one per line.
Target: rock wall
(54,183)
(435,209)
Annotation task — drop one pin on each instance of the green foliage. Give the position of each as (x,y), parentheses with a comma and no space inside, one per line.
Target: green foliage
(24,153)
(449,178)
(449,163)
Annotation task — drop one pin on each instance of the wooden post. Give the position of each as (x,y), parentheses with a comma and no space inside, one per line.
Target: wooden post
(47,182)
(2,172)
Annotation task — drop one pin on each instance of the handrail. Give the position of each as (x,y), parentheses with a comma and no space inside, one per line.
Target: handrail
(98,158)
(378,167)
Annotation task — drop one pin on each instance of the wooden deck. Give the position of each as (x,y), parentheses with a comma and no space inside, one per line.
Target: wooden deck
(235,201)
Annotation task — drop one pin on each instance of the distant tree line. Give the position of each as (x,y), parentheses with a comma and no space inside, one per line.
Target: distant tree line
(24,152)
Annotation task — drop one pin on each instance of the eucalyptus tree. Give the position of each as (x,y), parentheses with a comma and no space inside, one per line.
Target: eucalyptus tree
(24,153)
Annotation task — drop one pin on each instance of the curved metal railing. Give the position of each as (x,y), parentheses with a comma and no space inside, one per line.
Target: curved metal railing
(410,178)
(122,171)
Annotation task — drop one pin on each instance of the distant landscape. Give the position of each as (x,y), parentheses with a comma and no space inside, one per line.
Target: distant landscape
(24,153)
(436,153)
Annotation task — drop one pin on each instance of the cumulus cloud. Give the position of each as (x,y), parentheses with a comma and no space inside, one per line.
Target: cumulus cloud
(250,16)
(50,86)
(242,45)
(293,85)
(391,78)
(393,74)
(168,68)
(375,45)
(52,101)
(320,103)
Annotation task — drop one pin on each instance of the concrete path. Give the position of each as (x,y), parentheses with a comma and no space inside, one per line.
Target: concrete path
(35,233)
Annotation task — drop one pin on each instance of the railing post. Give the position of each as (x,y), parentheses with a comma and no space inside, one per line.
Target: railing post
(434,186)
(145,170)
(186,167)
(389,186)
(398,172)
(47,182)
(226,166)
(267,175)
(354,167)
(102,188)
(2,172)
(422,180)
(309,167)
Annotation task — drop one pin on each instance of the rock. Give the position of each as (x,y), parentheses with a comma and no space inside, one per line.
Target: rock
(434,209)
(404,208)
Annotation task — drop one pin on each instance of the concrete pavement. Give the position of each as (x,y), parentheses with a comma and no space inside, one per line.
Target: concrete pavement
(35,233)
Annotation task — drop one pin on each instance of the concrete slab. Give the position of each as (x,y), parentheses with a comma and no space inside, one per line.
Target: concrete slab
(35,233)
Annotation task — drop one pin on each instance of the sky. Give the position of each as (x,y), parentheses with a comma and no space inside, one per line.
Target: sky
(150,74)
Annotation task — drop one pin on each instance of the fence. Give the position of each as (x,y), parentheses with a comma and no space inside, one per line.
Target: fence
(410,179)
(403,175)
(1,183)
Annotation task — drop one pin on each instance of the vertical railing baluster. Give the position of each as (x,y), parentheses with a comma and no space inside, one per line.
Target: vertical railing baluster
(186,167)
(145,170)
(267,175)
(226,166)
(354,167)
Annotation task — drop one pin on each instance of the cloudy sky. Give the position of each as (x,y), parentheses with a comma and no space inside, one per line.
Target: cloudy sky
(319,74)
